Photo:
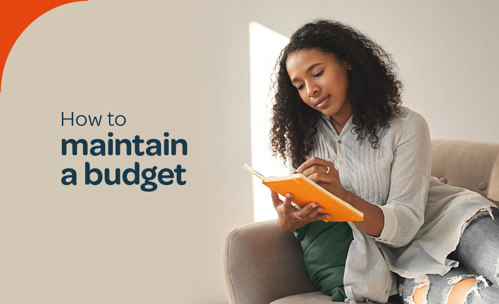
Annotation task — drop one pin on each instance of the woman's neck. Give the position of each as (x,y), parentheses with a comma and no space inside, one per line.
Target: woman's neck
(338,124)
(340,118)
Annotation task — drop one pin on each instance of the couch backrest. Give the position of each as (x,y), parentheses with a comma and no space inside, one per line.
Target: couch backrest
(467,164)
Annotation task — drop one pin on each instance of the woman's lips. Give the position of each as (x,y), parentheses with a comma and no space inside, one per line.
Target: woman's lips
(322,103)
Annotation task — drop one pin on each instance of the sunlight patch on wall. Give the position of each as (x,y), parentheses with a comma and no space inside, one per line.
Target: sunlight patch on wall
(265,46)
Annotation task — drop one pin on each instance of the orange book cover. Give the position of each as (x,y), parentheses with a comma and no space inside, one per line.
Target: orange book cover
(305,191)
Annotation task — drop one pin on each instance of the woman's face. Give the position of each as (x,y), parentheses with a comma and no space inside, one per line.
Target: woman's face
(322,82)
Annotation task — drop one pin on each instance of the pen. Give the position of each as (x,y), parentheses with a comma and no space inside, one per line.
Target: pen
(332,159)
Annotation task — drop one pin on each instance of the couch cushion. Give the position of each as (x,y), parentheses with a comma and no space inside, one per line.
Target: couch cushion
(318,298)
(309,298)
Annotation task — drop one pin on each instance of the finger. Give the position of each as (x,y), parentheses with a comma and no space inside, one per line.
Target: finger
(322,178)
(316,215)
(309,212)
(320,169)
(306,164)
(288,207)
(323,216)
(275,199)
(311,162)
(312,217)
(309,209)
(316,212)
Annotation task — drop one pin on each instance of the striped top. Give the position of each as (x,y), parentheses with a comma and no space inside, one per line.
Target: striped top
(396,177)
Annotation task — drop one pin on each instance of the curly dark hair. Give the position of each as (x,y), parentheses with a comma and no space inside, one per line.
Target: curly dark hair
(373,89)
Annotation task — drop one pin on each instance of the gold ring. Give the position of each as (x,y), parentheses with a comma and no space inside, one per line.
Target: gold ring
(327,171)
(297,216)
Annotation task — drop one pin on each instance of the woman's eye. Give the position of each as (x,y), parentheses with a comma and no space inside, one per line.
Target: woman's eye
(318,74)
(299,87)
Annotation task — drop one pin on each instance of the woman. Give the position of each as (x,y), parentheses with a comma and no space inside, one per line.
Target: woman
(337,97)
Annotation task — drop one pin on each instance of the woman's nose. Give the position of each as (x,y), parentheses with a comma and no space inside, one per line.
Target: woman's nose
(312,90)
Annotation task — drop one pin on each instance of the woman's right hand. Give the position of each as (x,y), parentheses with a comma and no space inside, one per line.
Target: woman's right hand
(291,218)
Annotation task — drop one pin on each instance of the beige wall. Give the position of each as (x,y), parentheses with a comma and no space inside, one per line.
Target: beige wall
(183,67)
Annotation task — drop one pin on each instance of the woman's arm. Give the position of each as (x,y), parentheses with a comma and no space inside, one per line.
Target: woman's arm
(410,173)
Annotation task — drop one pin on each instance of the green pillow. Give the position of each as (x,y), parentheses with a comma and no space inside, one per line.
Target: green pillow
(325,248)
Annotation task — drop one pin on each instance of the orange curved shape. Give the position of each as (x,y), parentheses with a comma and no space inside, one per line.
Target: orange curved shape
(15,17)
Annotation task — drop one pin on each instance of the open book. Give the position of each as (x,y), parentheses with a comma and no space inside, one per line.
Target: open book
(305,191)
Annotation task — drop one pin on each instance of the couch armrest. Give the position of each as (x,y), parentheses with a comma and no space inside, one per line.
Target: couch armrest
(263,263)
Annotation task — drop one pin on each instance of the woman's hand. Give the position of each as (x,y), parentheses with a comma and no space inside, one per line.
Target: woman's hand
(324,174)
(291,218)
(317,170)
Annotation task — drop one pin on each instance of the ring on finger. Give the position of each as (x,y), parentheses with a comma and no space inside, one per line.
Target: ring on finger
(327,170)
(296,215)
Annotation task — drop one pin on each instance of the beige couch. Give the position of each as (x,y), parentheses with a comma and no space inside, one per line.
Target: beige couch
(263,264)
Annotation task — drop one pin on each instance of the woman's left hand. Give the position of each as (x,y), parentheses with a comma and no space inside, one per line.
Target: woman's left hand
(324,174)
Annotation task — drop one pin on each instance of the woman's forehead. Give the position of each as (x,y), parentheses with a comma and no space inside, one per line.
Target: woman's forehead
(304,60)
